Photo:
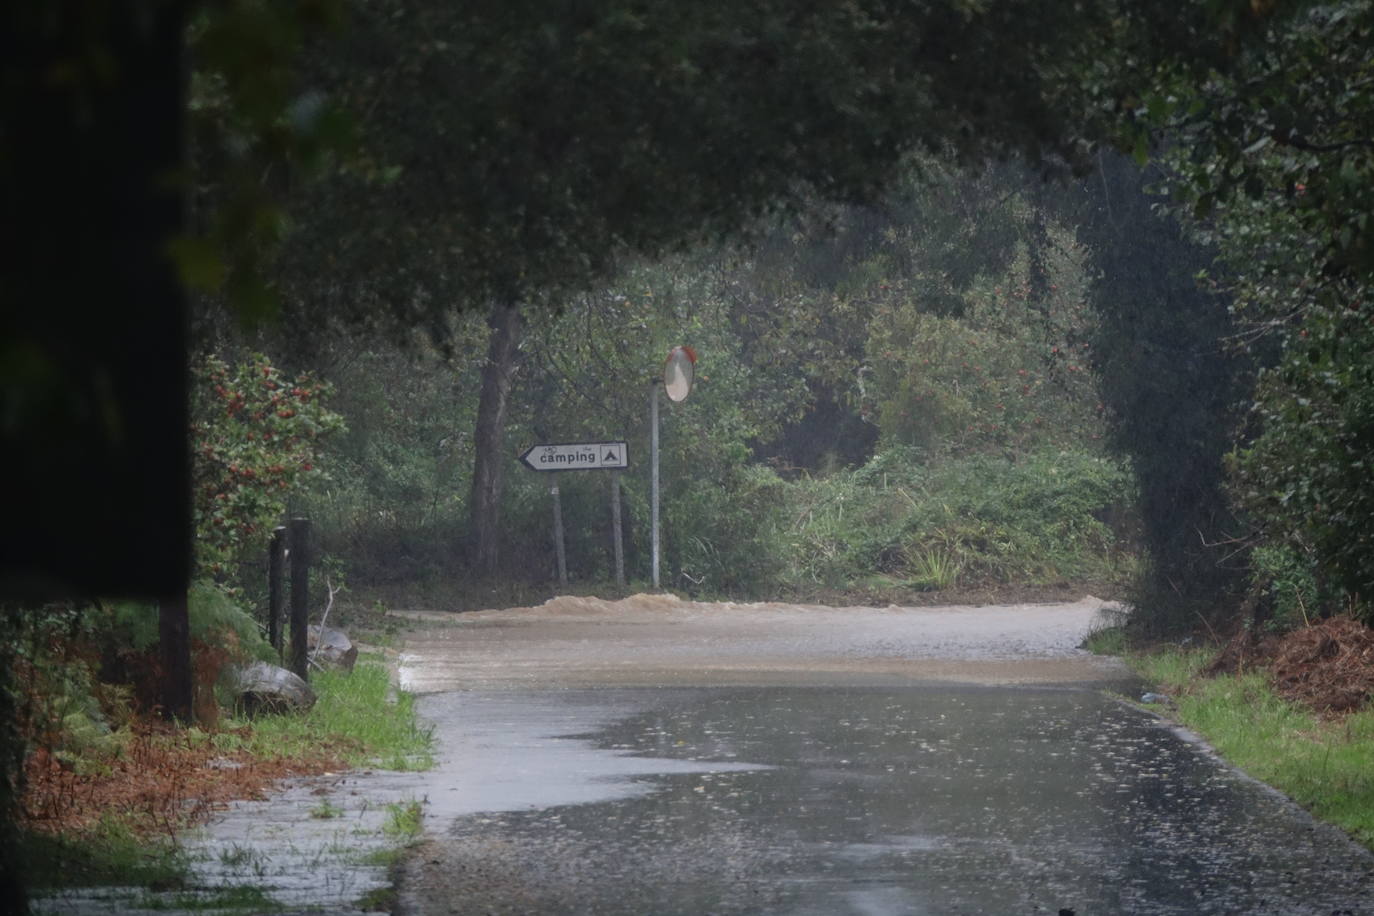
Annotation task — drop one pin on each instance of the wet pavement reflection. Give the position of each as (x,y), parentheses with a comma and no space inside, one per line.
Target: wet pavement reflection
(931,798)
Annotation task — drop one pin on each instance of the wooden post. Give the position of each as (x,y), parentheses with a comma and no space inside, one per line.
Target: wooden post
(616,537)
(558,536)
(174,638)
(300,597)
(276,563)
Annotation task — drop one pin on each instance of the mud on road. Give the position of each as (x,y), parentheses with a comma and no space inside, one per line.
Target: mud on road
(650,640)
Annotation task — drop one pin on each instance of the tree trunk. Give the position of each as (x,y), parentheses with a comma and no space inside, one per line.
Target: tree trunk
(174,636)
(488,470)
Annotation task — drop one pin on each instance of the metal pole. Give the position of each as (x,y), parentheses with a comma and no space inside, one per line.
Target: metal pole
(558,536)
(615,529)
(653,473)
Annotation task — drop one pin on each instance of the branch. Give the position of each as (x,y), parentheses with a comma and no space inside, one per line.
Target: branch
(1302,143)
(324,617)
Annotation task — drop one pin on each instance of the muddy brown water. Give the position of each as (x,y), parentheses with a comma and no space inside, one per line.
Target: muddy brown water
(662,756)
(652,640)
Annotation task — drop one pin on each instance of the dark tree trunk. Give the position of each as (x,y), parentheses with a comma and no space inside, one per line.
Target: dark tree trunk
(488,470)
(93,441)
(174,638)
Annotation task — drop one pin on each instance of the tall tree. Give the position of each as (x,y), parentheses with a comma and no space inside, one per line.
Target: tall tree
(489,464)
(1174,387)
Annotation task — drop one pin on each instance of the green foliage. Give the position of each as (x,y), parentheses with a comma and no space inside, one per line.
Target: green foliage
(1290,583)
(722,534)
(214,619)
(111,855)
(325,810)
(395,505)
(844,317)
(222,901)
(1274,162)
(933,569)
(979,520)
(256,441)
(1304,478)
(88,666)
(359,714)
(1000,361)
(249,120)
(587,378)
(588,170)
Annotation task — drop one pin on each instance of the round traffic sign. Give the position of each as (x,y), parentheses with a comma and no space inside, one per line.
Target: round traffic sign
(678,372)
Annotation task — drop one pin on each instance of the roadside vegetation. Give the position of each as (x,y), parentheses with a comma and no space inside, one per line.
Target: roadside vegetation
(1292,711)
(109,788)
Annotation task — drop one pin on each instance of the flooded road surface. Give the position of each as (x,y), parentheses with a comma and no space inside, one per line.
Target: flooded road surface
(660,640)
(903,764)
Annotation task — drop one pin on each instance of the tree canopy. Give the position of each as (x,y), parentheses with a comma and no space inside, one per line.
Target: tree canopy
(510,151)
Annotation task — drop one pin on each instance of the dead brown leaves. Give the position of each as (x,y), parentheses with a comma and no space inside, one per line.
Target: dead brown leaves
(1327,667)
(162,781)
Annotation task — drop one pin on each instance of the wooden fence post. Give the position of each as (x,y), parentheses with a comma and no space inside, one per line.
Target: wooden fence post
(300,598)
(276,571)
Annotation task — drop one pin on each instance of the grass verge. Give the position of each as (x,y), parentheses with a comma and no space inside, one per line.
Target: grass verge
(169,780)
(111,854)
(358,716)
(1325,766)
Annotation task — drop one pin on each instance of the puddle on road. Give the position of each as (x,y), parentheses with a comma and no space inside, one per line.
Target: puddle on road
(510,751)
(930,799)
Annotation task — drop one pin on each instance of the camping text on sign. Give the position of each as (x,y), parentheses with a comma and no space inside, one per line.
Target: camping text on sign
(578,456)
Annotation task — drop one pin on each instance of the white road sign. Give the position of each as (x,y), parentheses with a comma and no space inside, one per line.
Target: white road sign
(578,456)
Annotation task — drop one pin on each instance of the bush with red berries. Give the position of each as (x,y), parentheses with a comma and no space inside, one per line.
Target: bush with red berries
(256,437)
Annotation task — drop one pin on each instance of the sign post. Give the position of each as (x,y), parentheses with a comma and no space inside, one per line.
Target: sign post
(580,456)
(615,531)
(678,372)
(558,547)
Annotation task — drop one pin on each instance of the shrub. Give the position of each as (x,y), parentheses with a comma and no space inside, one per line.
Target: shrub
(973,521)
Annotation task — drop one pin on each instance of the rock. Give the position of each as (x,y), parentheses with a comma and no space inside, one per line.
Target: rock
(261,687)
(331,648)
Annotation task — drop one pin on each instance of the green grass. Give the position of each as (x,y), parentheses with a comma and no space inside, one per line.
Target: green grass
(1327,767)
(324,811)
(112,854)
(933,569)
(248,898)
(403,820)
(371,723)
(1105,641)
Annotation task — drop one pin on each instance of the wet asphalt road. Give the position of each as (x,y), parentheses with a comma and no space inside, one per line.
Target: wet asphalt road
(945,761)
